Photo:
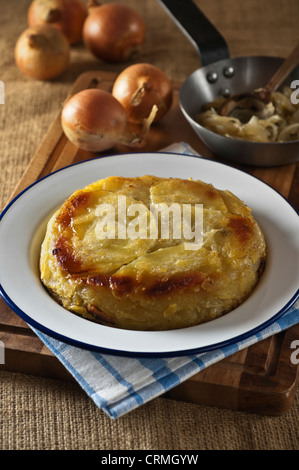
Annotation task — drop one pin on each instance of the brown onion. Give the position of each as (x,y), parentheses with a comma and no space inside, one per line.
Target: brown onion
(67,16)
(42,52)
(113,31)
(94,120)
(139,87)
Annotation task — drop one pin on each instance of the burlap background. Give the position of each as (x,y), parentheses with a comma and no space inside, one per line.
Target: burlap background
(37,413)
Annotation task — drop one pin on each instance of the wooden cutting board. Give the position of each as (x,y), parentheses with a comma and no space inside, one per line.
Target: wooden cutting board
(260,379)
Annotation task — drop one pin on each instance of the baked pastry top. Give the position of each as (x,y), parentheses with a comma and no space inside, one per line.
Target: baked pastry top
(128,272)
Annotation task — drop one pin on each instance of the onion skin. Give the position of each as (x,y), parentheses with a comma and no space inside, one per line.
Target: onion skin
(112,32)
(67,16)
(42,52)
(139,87)
(93,120)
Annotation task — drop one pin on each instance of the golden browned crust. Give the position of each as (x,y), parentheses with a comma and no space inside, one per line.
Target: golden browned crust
(152,284)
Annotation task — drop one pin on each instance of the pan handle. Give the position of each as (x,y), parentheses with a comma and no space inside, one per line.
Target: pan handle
(206,39)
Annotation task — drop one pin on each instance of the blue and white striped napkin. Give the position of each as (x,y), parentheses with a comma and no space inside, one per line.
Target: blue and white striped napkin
(119,385)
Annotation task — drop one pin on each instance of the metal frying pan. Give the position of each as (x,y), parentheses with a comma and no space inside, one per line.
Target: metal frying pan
(222,75)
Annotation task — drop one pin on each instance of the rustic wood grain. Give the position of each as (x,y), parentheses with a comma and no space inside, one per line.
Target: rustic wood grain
(260,379)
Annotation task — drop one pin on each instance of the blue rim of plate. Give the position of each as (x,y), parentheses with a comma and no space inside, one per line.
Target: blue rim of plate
(53,334)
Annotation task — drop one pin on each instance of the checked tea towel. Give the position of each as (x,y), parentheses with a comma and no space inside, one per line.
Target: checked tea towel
(119,385)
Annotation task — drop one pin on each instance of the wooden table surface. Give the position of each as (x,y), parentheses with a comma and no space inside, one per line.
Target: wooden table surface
(27,121)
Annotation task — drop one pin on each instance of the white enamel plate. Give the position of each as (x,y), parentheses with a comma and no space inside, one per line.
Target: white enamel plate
(22,228)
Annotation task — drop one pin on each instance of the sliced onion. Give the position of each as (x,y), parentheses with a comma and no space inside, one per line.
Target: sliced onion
(289,133)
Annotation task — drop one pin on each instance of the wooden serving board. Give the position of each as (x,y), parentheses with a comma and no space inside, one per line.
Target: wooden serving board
(259,379)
